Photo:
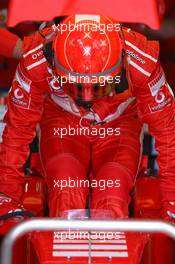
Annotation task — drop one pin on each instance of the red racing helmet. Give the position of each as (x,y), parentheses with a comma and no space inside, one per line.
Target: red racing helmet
(88,56)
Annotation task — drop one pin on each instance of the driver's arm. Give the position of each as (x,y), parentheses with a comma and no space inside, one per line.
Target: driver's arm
(25,103)
(156,107)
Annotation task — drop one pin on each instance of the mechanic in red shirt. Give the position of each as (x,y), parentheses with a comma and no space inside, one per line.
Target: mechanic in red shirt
(9,41)
(91,89)
(10,50)
(11,44)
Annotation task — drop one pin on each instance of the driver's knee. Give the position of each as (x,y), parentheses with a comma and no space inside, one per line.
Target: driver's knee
(64,174)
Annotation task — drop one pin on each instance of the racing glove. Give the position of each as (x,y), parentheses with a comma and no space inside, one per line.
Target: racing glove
(168,211)
(10,208)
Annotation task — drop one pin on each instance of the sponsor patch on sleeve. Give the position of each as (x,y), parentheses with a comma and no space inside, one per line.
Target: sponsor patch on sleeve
(157,83)
(161,93)
(55,86)
(23,81)
(19,98)
(163,98)
(20,91)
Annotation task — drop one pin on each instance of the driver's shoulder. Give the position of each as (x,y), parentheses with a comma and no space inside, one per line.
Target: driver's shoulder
(142,55)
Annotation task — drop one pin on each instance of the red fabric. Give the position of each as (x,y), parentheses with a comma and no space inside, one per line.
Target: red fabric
(109,162)
(8,41)
(153,101)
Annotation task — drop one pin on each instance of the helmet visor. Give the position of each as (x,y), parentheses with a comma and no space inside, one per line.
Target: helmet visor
(89,92)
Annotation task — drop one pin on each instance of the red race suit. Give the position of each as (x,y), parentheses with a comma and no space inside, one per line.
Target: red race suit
(109,150)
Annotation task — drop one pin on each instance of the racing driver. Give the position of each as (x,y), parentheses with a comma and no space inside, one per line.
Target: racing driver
(86,76)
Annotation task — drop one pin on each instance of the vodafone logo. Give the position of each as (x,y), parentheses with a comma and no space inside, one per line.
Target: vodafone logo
(132,54)
(54,84)
(160,97)
(18,94)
